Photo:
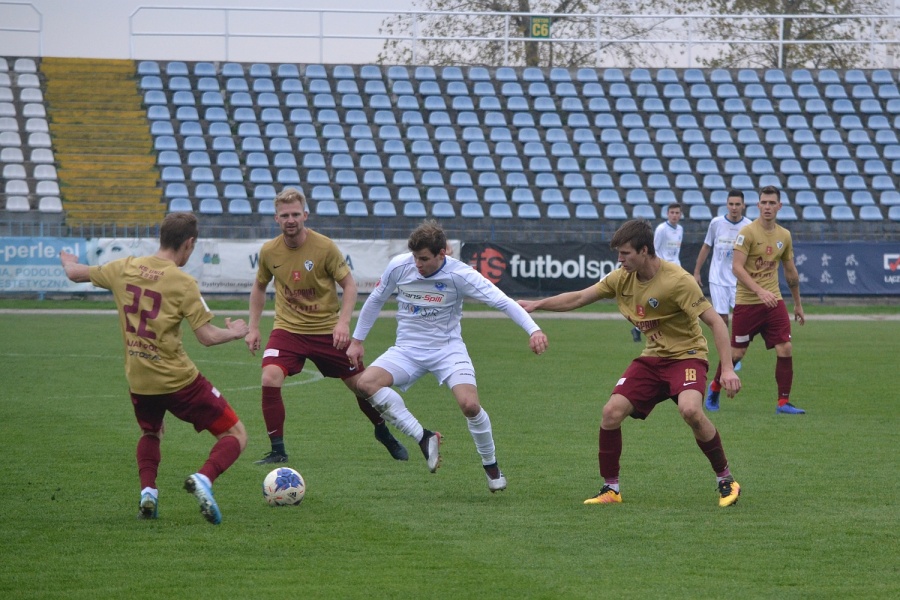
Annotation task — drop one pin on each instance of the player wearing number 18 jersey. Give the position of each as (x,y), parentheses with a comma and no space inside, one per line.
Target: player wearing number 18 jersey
(665,303)
(153,297)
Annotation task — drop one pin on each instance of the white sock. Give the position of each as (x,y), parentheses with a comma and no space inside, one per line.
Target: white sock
(480,428)
(152,491)
(389,403)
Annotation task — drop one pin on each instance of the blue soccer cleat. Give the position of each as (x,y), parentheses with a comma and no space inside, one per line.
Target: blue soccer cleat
(712,400)
(789,409)
(737,366)
(199,486)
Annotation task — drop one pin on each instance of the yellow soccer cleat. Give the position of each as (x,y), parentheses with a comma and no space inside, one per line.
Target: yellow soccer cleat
(607,495)
(729,490)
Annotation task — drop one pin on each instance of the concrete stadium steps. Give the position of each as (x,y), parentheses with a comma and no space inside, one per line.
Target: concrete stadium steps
(106,163)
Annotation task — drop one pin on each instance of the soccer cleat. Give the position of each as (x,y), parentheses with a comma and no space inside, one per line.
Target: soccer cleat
(636,334)
(712,400)
(431,448)
(737,366)
(272,458)
(198,486)
(383,435)
(495,478)
(149,506)
(607,495)
(789,409)
(729,490)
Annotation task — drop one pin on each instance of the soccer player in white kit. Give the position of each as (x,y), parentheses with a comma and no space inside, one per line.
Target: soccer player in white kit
(720,239)
(430,289)
(668,235)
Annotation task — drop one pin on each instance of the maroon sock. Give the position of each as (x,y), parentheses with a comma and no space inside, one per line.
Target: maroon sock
(223,454)
(715,385)
(784,378)
(610,452)
(148,457)
(369,410)
(715,453)
(273,411)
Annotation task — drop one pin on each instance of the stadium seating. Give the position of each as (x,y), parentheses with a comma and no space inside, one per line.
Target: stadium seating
(471,141)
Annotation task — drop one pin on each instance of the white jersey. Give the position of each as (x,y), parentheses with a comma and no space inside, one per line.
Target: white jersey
(430,308)
(667,242)
(720,238)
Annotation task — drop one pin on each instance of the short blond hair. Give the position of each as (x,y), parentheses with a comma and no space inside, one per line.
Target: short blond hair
(289,196)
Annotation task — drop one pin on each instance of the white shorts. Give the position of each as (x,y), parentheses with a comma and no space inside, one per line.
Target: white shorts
(722,297)
(449,364)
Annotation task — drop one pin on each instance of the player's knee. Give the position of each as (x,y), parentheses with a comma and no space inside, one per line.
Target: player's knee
(239,432)
(272,376)
(614,412)
(784,349)
(470,407)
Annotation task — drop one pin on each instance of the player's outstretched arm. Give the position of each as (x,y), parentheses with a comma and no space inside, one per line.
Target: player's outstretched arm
(562,302)
(74,271)
(210,335)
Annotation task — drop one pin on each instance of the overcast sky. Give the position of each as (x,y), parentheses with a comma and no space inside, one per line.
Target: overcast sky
(100,29)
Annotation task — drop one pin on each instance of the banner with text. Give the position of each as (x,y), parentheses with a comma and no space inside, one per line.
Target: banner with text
(847,268)
(220,266)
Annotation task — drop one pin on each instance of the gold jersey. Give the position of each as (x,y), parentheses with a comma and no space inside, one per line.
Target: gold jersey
(153,297)
(666,309)
(764,250)
(306,298)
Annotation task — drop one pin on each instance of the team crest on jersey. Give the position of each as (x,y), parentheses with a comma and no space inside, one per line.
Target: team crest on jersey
(654,303)
(639,309)
(439,286)
(780,245)
(768,249)
(309,265)
(296,275)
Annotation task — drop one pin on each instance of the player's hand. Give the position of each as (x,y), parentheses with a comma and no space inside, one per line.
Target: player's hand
(355,352)
(698,279)
(730,382)
(67,258)
(799,316)
(538,342)
(252,340)
(341,336)
(528,305)
(768,298)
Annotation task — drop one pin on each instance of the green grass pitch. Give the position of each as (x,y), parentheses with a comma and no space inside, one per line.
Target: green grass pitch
(819,516)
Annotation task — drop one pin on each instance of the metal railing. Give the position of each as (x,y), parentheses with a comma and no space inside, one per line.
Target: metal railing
(325,32)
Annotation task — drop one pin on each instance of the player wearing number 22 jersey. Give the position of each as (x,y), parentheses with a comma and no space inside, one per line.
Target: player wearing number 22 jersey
(153,297)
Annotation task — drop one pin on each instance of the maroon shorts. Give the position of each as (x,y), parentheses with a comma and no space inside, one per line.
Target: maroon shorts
(199,404)
(773,324)
(649,380)
(290,351)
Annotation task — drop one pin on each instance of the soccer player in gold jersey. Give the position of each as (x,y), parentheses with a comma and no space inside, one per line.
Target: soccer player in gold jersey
(665,302)
(153,297)
(759,308)
(311,322)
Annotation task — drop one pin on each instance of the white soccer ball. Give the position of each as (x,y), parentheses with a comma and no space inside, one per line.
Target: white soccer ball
(284,487)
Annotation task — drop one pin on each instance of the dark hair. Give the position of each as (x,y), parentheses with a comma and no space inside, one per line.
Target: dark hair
(673,205)
(770,189)
(736,194)
(638,233)
(176,229)
(428,236)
